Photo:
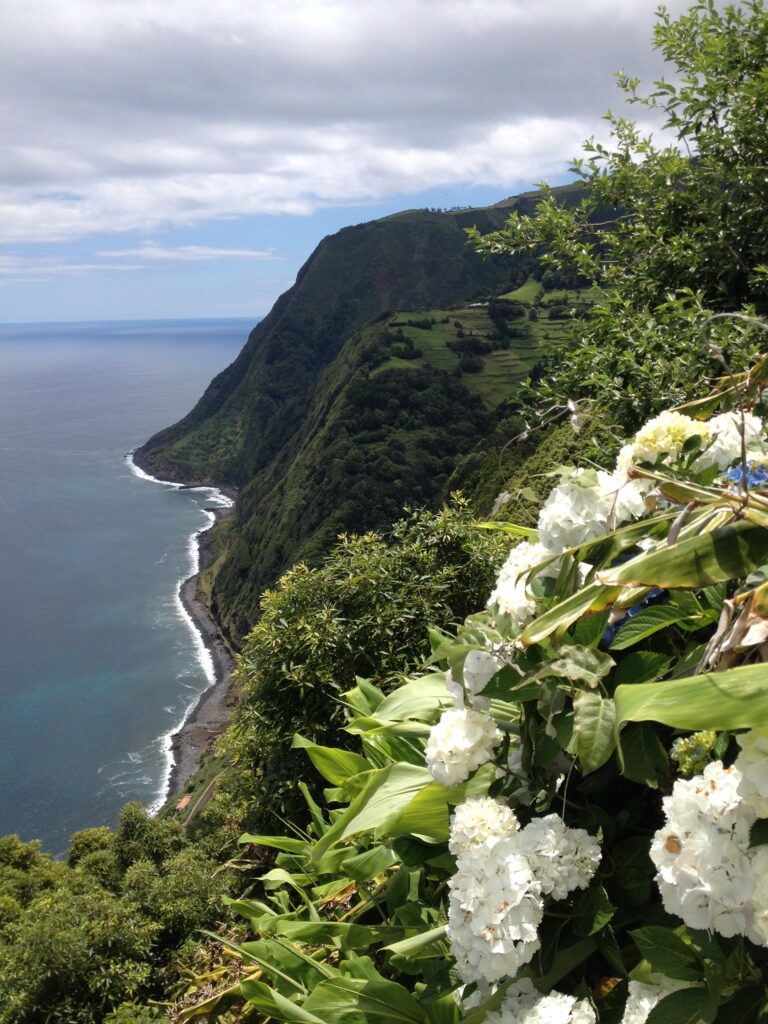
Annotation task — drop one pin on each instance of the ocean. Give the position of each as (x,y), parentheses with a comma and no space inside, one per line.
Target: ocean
(99,661)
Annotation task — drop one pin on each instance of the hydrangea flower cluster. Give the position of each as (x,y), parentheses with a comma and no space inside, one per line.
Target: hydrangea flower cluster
(479,668)
(459,743)
(575,511)
(523,1004)
(503,873)
(662,437)
(757,476)
(751,762)
(726,431)
(693,753)
(494,912)
(588,504)
(512,594)
(562,858)
(643,997)
(705,869)
(480,822)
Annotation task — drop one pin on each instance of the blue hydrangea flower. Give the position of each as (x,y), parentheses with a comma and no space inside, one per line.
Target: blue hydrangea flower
(757,475)
(653,597)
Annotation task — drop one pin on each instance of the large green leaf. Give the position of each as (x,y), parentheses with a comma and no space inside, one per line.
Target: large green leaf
(729,552)
(444,1010)
(503,527)
(334,765)
(435,937)
(272,1004)
(594,719)
(418,700)
(361,1001)
(578,664)
(736,698)
(286,843)
(643,756)
(593,598)
(423,695)
(688,1006)
(425,816)
(592,910)
(667,953)
(646,623)
(388,791)
(284,962)
(370,864)
(565,961)
(350,935)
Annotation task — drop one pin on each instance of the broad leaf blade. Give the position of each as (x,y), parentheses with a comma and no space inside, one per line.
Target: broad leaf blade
(667,953)
(359,1001)
(727,553)
(736,698)
(594,723)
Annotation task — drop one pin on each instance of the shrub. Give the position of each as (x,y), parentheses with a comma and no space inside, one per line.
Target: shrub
(364,611)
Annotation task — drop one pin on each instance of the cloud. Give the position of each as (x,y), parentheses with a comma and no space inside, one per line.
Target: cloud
(41,266)
(122,116)
(187,253)
(15,267)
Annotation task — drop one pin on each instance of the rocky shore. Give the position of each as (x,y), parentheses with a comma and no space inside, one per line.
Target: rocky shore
(210,716)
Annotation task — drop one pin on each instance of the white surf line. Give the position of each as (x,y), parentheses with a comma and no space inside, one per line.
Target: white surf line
(202,652)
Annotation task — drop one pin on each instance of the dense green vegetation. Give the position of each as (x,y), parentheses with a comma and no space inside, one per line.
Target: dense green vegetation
(365,611)
(79,938)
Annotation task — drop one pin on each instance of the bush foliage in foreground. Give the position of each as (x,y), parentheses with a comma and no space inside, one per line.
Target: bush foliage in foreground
(365,611)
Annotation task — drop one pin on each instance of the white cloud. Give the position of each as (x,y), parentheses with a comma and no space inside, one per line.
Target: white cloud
(40,266)
(128,116)
(187,253)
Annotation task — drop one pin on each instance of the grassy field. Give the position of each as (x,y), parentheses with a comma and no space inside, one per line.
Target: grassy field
(528,292)
(503,368)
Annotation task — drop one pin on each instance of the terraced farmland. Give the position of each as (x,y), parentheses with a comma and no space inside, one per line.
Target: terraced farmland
(464,340)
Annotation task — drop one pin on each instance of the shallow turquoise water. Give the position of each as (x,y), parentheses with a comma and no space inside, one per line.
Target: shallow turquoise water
(97,662)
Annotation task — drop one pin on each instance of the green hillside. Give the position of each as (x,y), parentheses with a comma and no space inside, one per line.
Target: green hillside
(359,393)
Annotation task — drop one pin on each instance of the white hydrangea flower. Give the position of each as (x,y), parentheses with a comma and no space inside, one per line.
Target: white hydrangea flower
(702,853)
(480,821)
(760,893)
(726,446)
(494,912)
(561,858)
(511,593)
(642,997)
(501,875)
(523,1004)
(665,434)
(479,668)
(752,762)
(574,512)
(626,497)
(459,743)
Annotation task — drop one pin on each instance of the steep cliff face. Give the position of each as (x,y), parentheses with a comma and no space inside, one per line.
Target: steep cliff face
(252,410)
(317,422)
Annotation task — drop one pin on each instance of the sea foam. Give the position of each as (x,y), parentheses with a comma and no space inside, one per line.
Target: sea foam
(202,653)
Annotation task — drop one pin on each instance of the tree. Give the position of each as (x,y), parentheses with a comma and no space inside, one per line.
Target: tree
(674,236)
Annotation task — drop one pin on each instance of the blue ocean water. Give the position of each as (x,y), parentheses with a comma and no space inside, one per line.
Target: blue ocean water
(97,661)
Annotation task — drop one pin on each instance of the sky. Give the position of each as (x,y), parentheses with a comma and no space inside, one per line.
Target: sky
(182,158)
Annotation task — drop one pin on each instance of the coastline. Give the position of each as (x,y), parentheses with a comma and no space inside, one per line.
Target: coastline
(209,714)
